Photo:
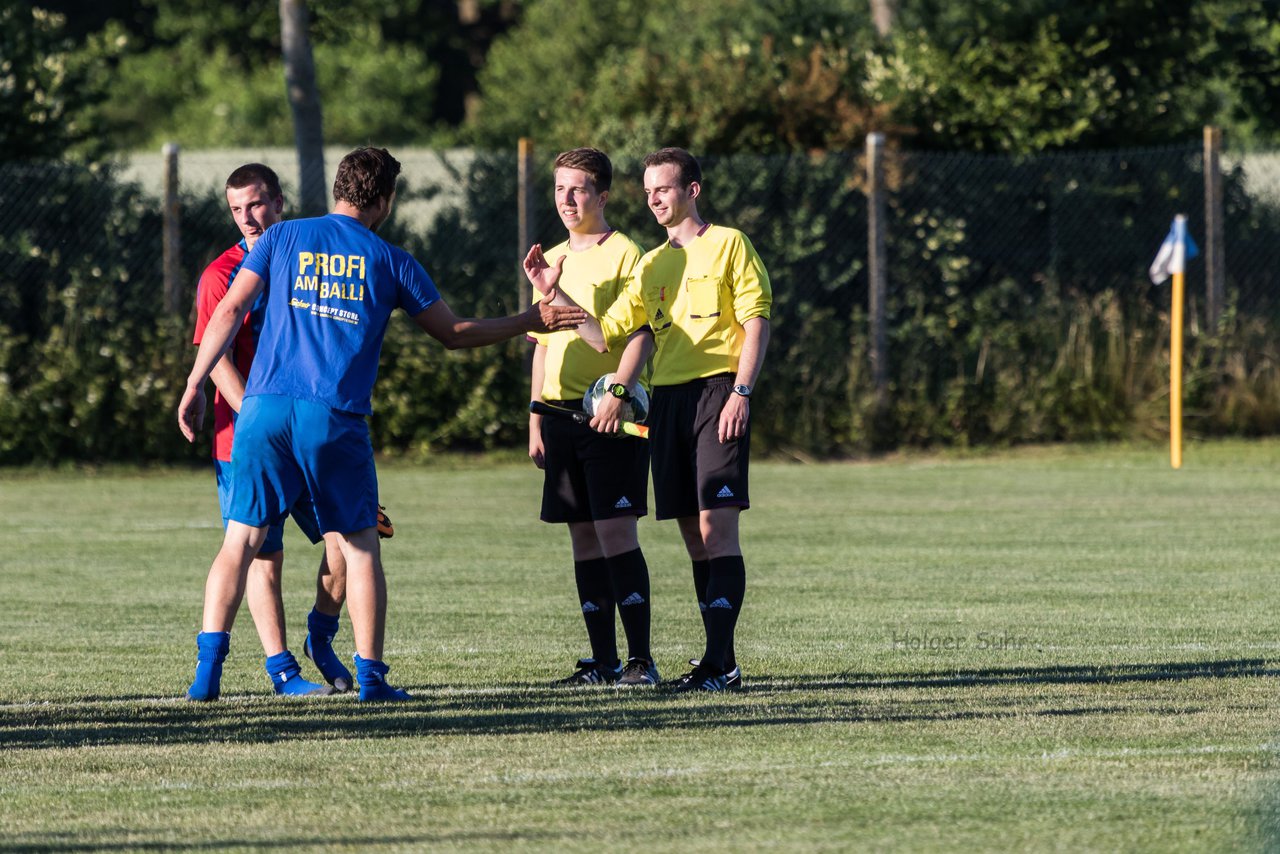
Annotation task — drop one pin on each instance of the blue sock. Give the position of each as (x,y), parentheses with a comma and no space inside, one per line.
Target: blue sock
(372,674)
(321,629)
(211,651)
(286,677)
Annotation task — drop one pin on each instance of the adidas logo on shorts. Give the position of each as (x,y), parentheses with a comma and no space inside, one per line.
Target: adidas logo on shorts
(725,492)
(623,504)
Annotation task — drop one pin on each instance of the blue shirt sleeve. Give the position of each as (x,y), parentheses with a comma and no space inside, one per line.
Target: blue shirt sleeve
(415,288)
(259,258)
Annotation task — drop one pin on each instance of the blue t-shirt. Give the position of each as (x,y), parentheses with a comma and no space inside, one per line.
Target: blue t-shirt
(331,285)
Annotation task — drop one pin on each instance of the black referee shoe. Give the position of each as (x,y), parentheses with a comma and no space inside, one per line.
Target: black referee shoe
(733,679)
(701,679)
(590,672)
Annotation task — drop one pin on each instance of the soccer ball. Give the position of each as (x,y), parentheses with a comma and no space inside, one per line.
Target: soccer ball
(636,410)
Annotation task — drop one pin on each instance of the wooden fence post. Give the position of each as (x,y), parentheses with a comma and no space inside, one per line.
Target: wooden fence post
(1215,261)
(172,232)
(878,277)
(524,203)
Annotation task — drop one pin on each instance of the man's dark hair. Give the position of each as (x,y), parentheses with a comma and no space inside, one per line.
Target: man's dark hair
(690,171)
(365,176)
(255,173)
(592,161)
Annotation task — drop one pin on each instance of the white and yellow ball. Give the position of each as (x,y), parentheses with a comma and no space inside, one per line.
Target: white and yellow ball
(637,409)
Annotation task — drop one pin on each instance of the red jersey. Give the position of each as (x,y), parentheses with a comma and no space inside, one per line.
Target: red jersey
(215,281)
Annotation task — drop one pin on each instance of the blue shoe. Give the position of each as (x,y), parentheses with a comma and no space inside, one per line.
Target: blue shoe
(372,674)
(321,630)
(211,651)
(286,677)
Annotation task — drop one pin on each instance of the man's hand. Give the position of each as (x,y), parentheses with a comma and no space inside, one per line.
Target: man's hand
(542,275)
(554,318)
(537,451)
(733,418)
(608,417)
(191,412)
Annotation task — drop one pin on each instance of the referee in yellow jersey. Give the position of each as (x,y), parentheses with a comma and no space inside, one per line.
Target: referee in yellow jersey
(705,297)
(596,484)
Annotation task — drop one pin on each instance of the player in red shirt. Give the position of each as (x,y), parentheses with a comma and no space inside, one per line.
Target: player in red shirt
(256,202)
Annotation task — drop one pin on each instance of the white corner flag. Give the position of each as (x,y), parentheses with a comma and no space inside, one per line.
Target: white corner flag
(1174,252)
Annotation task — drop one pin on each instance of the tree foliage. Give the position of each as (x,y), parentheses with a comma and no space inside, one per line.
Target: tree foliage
(627,75)
(210,75)
(1041,75)
(759,75)
(44,85)
(990,75)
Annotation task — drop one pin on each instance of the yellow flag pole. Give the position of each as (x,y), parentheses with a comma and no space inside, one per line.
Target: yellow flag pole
(1175,374)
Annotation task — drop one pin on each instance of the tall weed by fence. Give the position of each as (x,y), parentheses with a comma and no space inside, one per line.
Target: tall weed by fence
(1018,311)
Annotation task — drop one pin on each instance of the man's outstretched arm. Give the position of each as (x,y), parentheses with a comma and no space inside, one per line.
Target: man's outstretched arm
(457,333)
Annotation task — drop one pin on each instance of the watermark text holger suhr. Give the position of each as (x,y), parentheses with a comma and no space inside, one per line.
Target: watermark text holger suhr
(906,640)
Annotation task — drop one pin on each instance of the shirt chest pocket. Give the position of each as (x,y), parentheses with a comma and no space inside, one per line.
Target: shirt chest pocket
(703,293)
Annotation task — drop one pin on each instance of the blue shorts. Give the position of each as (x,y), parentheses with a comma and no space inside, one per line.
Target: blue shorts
(287,448)
(302,511)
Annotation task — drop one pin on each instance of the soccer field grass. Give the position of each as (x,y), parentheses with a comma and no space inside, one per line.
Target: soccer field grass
(1050,649)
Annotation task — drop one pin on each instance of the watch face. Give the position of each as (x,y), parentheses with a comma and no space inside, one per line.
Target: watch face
(618,390)
(744,390)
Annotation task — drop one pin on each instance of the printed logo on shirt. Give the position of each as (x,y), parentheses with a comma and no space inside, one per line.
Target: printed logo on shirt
(330,280)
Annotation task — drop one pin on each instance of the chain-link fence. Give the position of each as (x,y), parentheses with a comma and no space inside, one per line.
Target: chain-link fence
(1018,307)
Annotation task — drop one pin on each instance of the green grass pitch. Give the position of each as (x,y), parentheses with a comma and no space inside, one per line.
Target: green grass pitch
(1051,649)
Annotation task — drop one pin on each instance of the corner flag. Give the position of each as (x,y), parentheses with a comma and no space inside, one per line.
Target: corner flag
(1174,252)
(1171,260)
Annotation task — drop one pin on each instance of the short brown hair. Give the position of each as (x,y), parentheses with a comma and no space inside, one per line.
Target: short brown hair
(690,171)
(255,173)
(592,161)
(365,176)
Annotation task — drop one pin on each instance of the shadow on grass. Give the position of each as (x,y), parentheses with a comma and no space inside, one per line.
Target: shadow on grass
(1063,675)
(51,842)
(520,709)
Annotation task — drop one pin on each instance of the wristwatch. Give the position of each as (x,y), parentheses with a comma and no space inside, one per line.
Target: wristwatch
(744,390)
(619,391)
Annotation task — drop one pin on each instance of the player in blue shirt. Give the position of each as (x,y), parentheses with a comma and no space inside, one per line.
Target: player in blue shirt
(331,284)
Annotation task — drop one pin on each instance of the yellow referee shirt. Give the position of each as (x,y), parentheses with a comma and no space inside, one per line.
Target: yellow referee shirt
(593,279)
(695,298)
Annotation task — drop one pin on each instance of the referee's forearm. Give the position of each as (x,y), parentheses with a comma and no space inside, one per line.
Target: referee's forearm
(754,343)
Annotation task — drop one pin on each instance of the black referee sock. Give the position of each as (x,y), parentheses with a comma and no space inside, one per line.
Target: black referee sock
(725,588)
(596,595)
(630,576)
(701,575)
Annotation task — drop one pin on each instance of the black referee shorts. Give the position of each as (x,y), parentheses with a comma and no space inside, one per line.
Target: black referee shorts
(692,470)
(589,476)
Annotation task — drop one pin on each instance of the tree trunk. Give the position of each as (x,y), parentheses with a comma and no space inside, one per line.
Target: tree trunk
(304,101)
(882,15)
